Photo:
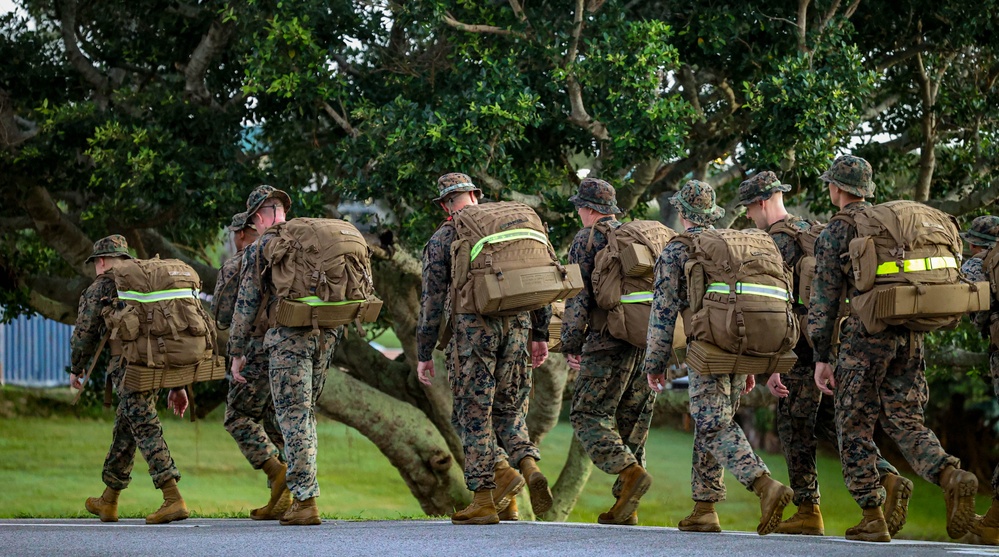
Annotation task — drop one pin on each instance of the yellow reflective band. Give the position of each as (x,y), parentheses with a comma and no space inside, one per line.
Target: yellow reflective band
(914,265)
(317,301)
(508,236)
(637,298)
(750,288)
(158,296)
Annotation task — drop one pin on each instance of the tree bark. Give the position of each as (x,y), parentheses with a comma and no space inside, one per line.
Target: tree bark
(570,483)
(549,385)
(57,230)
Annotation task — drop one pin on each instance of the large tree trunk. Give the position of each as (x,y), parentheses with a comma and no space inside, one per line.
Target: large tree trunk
(549,385)
(570,483)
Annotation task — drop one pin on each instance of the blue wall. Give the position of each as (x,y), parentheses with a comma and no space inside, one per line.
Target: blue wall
(35,352)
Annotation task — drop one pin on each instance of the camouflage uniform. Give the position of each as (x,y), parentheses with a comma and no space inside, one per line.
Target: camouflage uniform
(136,423)
(719,442)
(876,374)
(612,403)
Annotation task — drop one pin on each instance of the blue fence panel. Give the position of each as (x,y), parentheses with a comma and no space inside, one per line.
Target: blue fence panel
(35,352)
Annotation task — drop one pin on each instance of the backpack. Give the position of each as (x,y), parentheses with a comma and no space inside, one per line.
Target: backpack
(905,262)
(321,272)
(741,316)
(804,233)
(159,326)
(623,276)
(990,265)
(503,264)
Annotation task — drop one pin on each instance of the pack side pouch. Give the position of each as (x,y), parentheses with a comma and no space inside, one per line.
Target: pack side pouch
(630,323)
(864,258)
(126,320)
(806,274)
(770,327)
(865,306)
(334,289)
(461,255)
(695,284)
(994,330)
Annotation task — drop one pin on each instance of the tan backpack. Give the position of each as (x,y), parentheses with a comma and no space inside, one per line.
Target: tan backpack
(503,264)
(990,265)
(741,318)
(159,326)
(321,271)
(905,261)
(623,276)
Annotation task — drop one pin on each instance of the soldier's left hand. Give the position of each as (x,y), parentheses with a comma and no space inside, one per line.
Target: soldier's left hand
(824,377)
(539,352)
(777,388)
(573,360)
(657,381)
(177,401)
(750,384)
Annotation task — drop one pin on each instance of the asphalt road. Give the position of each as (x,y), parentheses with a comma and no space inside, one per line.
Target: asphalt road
(246,538)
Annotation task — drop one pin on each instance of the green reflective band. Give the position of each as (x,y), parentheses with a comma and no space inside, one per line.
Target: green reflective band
(158,296)
(317,301)
(750,288)
(508,236)
(913,265)
(637,298)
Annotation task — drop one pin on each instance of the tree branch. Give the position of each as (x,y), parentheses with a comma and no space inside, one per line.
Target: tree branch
(977,199)
(486,29)
(518,11)
(802,26)
(57,231)
(212,43)
(340,120)
(579,116)
(577,30)
(76,57)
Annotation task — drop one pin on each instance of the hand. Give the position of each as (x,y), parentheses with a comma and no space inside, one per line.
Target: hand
(824,378)
(238,363)
(425,372)
(657,382)
(539,352)
(776,387)
(750,384)
(76,381)
(573,360)
(177,401)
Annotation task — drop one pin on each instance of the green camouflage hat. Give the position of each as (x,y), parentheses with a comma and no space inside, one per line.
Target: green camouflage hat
(454,182)
(114,245)
(240,221)
(263,193)
(597,195)
(984,231)
(760,188)
(696,202)
(851,174)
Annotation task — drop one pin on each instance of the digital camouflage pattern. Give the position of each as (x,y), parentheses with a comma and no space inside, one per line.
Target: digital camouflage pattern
(239,221)
(597,195)
(851,174)
(263,193)
(879,374)
(760,188)
(111,246)
(696,202)
(454,182)
(136,423)
(984,231)
(973,271)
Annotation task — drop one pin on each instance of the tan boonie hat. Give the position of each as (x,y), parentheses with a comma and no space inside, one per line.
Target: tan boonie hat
(454,182)
(851,174)
(760,188)
(597,195)
(696,202)
(240,221)
(114,245)
(263,193)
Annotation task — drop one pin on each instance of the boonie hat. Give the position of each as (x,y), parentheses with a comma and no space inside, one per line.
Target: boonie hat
(114,245)
(760,188)
(597,195)
(696,202)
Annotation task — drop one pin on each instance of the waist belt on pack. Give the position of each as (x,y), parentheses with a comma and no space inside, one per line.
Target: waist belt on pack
(913,265)
(637,298)
(508,236)
(750,288)
(158,296)
(316,301)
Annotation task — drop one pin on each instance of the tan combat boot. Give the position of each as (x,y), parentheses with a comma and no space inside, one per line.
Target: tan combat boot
(774,496)
(959,488)
(537,484)
(173,507)
(702,519)
(509,482)
(635,481)
(872,528)
(987,527)
(510,514)
(302,513)
(898,490)
(481,510)
(280,496)
(807,521)
(105,506)
(608,518)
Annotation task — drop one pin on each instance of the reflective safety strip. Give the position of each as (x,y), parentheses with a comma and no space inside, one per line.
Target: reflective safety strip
(913,265)
(637,298)
(158,296)
(750,288)
(508,236)
(317,301)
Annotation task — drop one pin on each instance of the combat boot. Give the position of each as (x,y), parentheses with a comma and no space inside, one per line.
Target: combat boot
(608,518)
(702,519)
(481,510)
(509,513)
(509,482)
(173,507)
(987,527)
(898,490)
(872,528)
(959,488)
(537,484)
(807,521)
(774,496)
(280,496)
(302,513)
(635,481)
(105,506)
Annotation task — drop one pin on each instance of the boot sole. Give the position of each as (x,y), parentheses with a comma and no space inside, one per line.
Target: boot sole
(303,522)
(172,517)
(962,499)
(800,532)
(770,523)
(882,537)
(706,528)
(541,496)
(631,500)
(627,522)
(97,513)
(896,516)
(478,521)
(281,507)
(513,488)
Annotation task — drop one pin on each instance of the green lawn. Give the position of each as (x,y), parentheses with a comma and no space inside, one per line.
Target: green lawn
(50,465)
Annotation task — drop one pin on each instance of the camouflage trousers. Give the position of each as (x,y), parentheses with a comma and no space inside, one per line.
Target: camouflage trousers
(298,368)
(612,408)
(249,413)
(994,367)
(136,426)
(491,383)
(882,375)
(719,442)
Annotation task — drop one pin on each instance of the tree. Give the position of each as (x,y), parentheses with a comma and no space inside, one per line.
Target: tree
(154,119)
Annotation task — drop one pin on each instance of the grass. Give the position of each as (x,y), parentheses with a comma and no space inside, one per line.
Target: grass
(52,464)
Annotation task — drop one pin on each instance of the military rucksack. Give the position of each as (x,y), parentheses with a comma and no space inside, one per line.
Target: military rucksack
(622,277)
(321,272)
(905,261)
(503,264)
(990,265)
(159,326)
(741,318)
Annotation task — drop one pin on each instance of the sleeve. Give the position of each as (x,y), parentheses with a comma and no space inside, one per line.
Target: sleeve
(540,320)
(89,324)
(973,271)
(577,308)
(790,252)
(827,287)
(436,283)
(668,301)
(224,295)
(248,299)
